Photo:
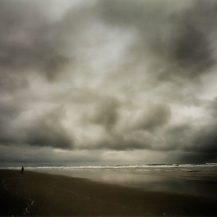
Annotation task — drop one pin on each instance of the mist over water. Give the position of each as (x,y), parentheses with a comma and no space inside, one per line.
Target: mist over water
(190,179)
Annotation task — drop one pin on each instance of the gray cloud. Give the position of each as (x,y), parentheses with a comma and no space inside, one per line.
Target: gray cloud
(45,130)
(109,75)
(176,38)
(134,131)
(106,113)
(31,46)
(29,41)
(193,48)
(155,117)
(196,142)
(205,137)
(48,131)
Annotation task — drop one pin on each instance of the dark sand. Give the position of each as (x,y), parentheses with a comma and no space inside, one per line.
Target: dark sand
(43,195)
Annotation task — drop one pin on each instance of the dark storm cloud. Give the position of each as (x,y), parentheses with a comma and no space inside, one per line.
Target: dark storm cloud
(213,108)
(132,132)
(28,45)
(179,38)
(192,51)
(28,41)
(45,130)
(195,143)
(125,142)
(205,138)
(193,48)
(106,113)
(8,112)
(118,69)
(155,117)
(48,131)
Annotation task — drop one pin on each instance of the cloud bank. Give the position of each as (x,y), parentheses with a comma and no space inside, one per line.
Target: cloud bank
(131,81)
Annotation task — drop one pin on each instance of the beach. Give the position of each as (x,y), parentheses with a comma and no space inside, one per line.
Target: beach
(35,193)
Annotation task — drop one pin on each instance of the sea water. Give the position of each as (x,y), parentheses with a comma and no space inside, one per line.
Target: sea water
(184,178)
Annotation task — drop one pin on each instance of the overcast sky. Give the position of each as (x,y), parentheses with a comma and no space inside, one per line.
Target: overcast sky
(108,81)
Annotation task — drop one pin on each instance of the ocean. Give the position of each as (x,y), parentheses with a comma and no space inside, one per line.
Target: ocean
(200,179)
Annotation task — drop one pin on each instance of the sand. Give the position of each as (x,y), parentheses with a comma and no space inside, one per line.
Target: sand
(54,195)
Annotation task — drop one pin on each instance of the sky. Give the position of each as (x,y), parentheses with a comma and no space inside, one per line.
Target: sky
(97,82)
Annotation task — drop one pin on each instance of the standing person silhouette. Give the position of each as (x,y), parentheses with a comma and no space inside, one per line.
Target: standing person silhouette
(22,170)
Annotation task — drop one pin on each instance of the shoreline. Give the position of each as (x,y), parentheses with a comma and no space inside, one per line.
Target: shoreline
(35,193)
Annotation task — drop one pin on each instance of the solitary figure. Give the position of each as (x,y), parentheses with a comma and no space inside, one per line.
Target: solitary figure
(22,170)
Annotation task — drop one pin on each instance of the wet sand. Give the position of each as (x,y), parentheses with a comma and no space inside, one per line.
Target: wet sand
(54,195)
